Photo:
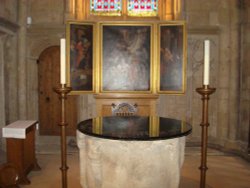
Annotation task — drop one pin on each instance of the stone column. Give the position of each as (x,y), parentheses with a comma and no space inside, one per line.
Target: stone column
(22,16)
(223,73)
(10,78)
(234,70)
(2,88)
(2,91)
(244,128)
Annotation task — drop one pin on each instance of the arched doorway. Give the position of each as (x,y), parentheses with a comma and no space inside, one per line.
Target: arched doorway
(49,103)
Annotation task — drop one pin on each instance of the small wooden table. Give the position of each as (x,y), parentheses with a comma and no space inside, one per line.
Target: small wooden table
(20,142)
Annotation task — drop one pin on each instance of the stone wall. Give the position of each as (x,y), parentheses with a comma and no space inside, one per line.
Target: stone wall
(8,10)
(218,21)
(243,133)
(225,23)
(8,63)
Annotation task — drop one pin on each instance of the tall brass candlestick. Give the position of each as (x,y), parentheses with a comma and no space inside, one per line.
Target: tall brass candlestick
(62,92)
(205,91)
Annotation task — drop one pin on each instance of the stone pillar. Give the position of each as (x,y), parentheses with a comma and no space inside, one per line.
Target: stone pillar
(234,70)
(244,128)
(224,72)
(10,78)
(2,88)
(22,16)
(2,94)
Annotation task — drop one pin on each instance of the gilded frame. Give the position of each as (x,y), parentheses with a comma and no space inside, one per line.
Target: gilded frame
(80,48)
(171,58)
(126,53)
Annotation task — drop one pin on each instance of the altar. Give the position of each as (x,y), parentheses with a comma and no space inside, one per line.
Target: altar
(131,151)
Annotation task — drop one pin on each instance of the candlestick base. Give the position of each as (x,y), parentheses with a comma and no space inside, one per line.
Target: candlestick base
(62,92)
(205,92)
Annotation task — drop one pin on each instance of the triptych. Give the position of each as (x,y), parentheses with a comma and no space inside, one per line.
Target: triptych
(126,57)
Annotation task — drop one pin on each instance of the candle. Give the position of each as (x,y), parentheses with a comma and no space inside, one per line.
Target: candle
(62,61)
(206,62)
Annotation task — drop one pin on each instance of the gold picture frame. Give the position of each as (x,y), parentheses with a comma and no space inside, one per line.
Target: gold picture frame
(126,51)
(128,57)
(171,58)
(80,48)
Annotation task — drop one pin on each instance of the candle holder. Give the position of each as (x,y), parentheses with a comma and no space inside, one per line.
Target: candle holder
(205,91)
(62,92)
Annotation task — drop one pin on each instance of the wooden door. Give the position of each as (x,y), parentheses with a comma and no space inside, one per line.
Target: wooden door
(49,103)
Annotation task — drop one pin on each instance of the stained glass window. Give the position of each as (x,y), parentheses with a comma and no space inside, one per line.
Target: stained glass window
(142,7)
(106,7)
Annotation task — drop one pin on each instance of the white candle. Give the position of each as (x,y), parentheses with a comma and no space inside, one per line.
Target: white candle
(62,61)
(206,62)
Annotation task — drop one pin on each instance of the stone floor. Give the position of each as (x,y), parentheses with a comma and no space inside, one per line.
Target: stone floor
(224,170)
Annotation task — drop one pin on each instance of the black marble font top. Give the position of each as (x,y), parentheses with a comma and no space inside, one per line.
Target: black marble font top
(135,127)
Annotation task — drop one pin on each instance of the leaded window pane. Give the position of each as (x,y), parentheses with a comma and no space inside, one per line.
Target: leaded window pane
(106,7)
(142,7)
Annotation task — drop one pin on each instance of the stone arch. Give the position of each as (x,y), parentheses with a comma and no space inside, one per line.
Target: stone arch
(40,45)
(34,50)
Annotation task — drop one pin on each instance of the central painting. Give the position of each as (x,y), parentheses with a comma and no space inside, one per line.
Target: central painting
(126,57)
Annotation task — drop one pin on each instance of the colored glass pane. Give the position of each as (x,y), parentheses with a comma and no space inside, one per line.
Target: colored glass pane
(106,7)
(142,7)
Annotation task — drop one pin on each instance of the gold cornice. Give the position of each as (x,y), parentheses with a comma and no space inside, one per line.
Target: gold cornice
(125,96)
